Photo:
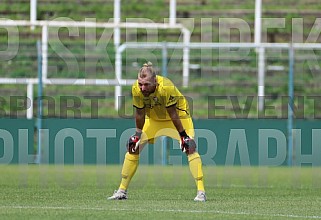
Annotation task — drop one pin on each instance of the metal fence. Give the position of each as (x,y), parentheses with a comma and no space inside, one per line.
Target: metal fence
(58,56)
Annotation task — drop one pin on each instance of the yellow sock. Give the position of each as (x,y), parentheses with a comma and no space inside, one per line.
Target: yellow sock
(195,166)
(129,168)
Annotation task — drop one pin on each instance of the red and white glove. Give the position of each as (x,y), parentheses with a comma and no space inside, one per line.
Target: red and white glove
(133,143)
(188,145)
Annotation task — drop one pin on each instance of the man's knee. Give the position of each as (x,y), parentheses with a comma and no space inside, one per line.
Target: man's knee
(192,147)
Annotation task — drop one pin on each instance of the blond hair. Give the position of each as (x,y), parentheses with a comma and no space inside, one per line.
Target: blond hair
(147,71)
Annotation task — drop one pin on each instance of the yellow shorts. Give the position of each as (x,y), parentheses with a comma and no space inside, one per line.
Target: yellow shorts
(153,129)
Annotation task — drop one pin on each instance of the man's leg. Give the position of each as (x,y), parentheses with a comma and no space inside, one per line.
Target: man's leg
(132,160)
(194,159)
(195,166)
(130,166)
(195,163)
(129,169)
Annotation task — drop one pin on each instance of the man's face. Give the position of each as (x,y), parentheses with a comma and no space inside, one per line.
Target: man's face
(147,85)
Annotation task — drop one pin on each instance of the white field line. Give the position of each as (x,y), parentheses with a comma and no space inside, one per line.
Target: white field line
(160,210)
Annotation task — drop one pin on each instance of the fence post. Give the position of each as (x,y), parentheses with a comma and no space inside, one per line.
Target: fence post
(44,52)
(164,73)
(33,13)
(118,76)
(290,106)
(39,119)
(186,50)
(30,97)
(261,77)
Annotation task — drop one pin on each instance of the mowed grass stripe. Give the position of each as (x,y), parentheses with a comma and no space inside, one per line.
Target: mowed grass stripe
(158,192)
(157,210)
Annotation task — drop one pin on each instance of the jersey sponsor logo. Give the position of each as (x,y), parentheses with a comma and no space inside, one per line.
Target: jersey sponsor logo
(152,102)
(171,100)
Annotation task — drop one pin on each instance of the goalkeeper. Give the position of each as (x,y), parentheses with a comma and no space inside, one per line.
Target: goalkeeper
(161,110)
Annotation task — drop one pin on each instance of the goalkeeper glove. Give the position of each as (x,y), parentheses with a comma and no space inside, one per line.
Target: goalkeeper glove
(188,145)
(133,143)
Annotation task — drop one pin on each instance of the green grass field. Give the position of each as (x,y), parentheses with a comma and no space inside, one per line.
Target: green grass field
(79,192)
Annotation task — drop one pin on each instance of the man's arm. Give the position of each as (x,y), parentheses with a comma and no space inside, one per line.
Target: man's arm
(188,145)
(140,119)
(175,118)
(134,140)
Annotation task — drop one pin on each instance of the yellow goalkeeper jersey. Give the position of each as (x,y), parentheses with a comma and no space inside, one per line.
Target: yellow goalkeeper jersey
(166,94)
